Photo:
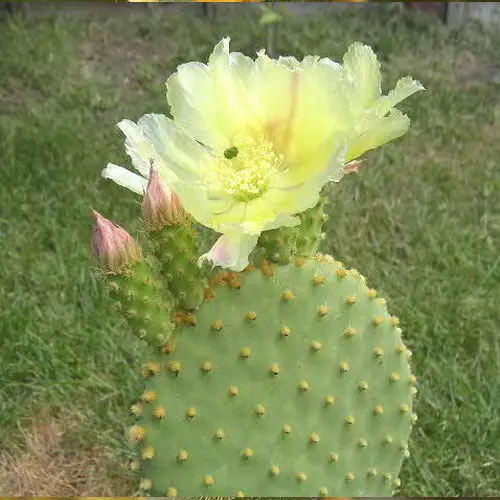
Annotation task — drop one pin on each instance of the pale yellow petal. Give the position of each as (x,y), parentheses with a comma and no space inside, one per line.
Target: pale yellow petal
(212,101)
(362,71)
(383,130)
(405,87)
(231,251)
(320,118)
(125,178)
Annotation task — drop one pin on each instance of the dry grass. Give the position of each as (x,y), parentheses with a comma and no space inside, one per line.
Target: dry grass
(50,463)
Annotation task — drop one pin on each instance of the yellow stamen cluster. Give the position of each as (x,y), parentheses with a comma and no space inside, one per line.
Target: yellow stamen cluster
(244,170)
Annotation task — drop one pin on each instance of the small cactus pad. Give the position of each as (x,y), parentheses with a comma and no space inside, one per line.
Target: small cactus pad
(174,247)
(147,308)
(293,381)
(283,244)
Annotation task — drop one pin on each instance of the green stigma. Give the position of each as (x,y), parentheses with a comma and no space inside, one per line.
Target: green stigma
(231,152)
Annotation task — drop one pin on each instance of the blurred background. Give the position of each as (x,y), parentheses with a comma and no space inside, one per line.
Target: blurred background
(421,221)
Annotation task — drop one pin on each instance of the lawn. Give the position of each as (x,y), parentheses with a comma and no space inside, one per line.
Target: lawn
(421,221)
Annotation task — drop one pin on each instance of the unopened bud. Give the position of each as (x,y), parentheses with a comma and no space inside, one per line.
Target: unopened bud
(113,247)
(161,206)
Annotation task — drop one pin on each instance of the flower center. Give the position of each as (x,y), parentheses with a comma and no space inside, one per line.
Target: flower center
(244,169)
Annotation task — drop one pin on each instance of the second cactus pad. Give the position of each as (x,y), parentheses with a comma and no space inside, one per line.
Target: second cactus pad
(292,381)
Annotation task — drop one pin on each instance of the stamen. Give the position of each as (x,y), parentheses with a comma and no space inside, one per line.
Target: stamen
(244,171)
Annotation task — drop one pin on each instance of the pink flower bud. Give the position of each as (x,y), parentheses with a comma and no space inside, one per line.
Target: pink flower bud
(114,248)
(161,206)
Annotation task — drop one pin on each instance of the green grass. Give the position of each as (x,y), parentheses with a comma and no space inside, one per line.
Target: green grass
(422,219)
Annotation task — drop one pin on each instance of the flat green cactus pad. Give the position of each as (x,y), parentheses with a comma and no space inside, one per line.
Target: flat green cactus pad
(291,381)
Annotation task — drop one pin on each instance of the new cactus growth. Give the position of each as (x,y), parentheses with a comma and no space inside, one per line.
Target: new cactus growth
(173,238)
(130,281)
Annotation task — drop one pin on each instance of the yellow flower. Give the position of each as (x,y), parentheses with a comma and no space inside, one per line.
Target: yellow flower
(252,142)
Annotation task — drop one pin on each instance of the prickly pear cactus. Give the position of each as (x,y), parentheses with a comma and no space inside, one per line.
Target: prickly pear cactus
(291,380)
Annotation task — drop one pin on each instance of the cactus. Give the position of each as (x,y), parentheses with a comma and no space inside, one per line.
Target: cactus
(292,381)
(289,378)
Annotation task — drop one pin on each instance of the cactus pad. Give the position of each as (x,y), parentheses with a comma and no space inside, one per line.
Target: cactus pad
(174,247)
(148,309)
(292,381)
